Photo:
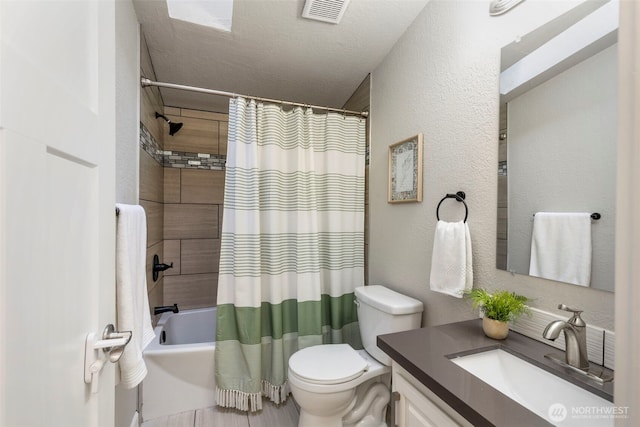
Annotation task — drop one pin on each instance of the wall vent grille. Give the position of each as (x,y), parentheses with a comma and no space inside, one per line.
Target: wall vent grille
(325,10)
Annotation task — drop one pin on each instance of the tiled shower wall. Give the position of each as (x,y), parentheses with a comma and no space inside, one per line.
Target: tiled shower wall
(193,194)
(359,101)
(151,195)
(181,190)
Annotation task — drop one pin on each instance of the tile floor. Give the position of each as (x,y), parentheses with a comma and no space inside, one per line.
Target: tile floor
(285,415)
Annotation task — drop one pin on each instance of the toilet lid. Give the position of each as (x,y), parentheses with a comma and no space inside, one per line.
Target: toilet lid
(327,364)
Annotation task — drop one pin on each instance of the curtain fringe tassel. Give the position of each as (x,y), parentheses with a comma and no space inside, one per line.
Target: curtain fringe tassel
(252,402)
(276,393)
(238,399)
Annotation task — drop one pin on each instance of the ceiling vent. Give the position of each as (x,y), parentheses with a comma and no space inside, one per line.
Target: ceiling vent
(325,10)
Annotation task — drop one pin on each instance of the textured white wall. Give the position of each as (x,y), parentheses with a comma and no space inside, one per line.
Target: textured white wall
(441,79)
(127,151)
(127,102)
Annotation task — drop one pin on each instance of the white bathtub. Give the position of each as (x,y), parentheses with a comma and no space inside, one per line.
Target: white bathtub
(180,364)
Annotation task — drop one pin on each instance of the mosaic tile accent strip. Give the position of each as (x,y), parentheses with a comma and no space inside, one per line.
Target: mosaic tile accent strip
(366,154)
(502,168)
(150,145)
(179,159)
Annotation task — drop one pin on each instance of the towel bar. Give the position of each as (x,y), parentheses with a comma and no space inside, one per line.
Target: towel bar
(594,216)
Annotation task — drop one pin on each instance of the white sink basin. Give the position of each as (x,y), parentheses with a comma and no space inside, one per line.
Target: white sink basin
(552,398)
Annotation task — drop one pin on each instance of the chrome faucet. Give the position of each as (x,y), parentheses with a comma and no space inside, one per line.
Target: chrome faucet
(575,336)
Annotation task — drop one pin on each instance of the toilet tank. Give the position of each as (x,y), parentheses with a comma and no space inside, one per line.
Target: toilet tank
(383,311)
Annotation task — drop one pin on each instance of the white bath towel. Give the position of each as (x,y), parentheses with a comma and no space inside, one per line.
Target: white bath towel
(132,303)
(561,247)
(451,261)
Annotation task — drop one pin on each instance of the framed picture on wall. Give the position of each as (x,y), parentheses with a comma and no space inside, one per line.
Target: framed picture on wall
(405,170)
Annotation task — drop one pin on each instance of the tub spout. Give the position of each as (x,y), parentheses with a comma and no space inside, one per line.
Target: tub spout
(173,308)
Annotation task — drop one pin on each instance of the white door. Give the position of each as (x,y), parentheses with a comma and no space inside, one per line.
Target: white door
(57,220)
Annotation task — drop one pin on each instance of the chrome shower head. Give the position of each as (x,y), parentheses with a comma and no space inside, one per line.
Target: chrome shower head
(173,127)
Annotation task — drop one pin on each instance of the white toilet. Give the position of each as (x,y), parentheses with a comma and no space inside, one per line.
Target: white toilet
(338,386)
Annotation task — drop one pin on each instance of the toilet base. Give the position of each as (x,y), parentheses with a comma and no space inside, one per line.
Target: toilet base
(367,408)
(369,422)
(307,419)
(372,399)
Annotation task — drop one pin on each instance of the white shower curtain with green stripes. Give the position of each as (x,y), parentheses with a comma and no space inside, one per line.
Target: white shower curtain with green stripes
(292,244)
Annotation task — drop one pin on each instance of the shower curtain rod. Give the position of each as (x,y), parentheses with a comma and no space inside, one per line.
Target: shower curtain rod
(147,82)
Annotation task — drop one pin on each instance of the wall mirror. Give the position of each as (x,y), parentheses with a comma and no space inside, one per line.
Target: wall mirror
(558,134)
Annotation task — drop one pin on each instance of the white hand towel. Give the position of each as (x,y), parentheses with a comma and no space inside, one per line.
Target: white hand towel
(561,247)
(451,261)
(132,303)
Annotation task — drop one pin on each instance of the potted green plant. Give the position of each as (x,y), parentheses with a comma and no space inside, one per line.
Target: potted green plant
(498,308)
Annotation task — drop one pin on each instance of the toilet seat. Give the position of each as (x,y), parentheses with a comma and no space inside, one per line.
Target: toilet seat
(339,363)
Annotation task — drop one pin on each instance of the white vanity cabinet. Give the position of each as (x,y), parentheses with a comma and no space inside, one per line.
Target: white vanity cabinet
(417,406)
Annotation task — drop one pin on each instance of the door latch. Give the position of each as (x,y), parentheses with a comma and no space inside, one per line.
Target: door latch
(112,345)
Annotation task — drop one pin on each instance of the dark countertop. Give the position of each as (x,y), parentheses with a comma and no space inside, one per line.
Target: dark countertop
(425,353)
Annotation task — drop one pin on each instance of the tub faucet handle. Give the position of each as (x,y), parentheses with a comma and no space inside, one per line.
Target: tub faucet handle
(162,267)
(158,267)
